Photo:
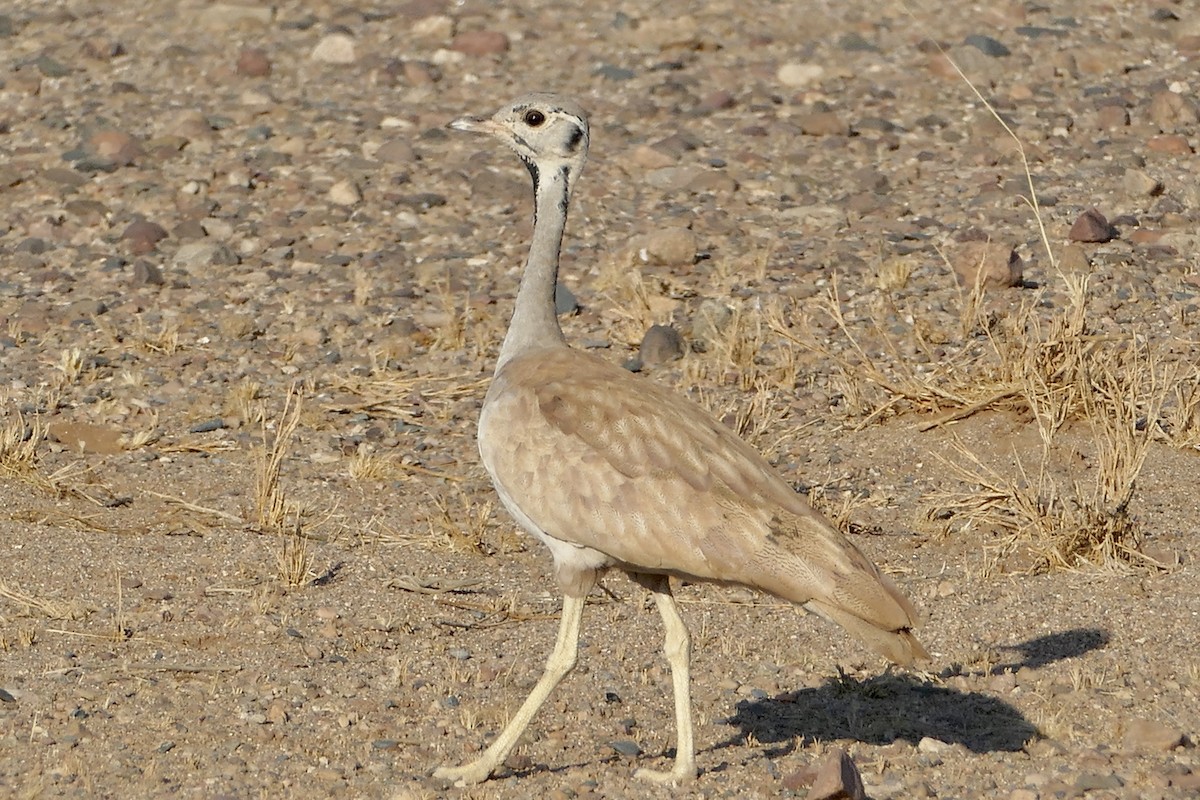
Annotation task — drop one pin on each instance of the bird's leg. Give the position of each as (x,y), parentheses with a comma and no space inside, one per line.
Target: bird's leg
(558,666)
(678,649)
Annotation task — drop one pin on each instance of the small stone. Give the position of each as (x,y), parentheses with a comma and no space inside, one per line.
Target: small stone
(710,322)
(626,747)
(116,146)
(142,235)
(991,264)
(800,779)
(1149,736)
(1073,258)
(1174,144)
(51,67)
(856,43)
(1092,226)
(987,45)
(666,247)
(1138,184)
(481,43)
(611,72)
(1092,781)
(435,27)
(231,15)
(1023,794)
(649,157)
(146,274)
(565,301)
(667,33)
(717,101)
(237,326)
(396,151)
(661,344)
(1112,117)
(335,48)
(1171,111)
(345,193)
(823,123)
(800,75)
(837,779)
(204,254)
(253,62)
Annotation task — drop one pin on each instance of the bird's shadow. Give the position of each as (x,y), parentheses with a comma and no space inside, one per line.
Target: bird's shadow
(895,706)
(1043,650)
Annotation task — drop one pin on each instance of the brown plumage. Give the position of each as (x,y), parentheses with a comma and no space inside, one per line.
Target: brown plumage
(611,470)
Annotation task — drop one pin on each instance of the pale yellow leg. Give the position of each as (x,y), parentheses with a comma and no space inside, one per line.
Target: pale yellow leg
(678,649)
(558,666)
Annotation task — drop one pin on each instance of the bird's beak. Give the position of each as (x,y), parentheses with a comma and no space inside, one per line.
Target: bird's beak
(474,125)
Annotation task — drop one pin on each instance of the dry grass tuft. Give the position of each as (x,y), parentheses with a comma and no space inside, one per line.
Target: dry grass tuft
(19,446)
(271,505)
(294,558)
(52,608)
(458,522)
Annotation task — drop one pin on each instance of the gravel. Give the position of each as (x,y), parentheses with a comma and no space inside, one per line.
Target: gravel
(208,204)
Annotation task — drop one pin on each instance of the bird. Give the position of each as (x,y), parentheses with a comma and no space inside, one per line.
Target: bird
(613,471)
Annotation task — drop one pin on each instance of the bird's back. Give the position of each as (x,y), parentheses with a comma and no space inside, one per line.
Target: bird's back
(595,457)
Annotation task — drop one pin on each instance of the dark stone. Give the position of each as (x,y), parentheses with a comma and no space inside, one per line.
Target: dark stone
(987,45)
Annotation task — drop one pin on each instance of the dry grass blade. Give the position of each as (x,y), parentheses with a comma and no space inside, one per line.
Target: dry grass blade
(50,607)
(271,505)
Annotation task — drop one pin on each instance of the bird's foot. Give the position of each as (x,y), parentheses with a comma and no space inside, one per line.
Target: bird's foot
(467,774)
(681,774)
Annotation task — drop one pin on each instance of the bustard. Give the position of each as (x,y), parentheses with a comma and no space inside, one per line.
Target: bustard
(611,470)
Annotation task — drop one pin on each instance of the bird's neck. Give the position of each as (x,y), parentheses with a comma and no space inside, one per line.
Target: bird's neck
(534,322)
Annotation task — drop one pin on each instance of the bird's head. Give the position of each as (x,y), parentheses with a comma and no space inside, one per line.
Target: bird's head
(548,132)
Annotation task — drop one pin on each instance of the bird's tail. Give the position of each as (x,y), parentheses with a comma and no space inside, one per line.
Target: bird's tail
(806,560)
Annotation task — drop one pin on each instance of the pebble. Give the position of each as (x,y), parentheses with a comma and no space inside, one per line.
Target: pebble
(565,301)
(1175,144)
(146,274)
(1171,111)
(230,15)
(435,27)
(1092,226)
(335,48)
(661,344)
(142,235)
(396,151)
(345,193)
(994,264)
(1112,117)
(1150,736)
(481,43)
(710,321)
(116,146)
(672,246)
(837,779)
(253,62)
(823,123)
(626,747)
(987,45)
(204,254)
(1137,183)
(799,76)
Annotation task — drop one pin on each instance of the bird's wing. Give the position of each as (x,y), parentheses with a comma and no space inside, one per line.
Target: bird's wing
(598,457)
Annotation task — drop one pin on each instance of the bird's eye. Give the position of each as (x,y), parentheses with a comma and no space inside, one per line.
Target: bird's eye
(534,118)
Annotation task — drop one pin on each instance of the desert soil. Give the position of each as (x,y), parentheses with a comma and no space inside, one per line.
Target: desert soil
(208,208)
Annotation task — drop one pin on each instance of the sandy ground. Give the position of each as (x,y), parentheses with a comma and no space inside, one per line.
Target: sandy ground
(208,206)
